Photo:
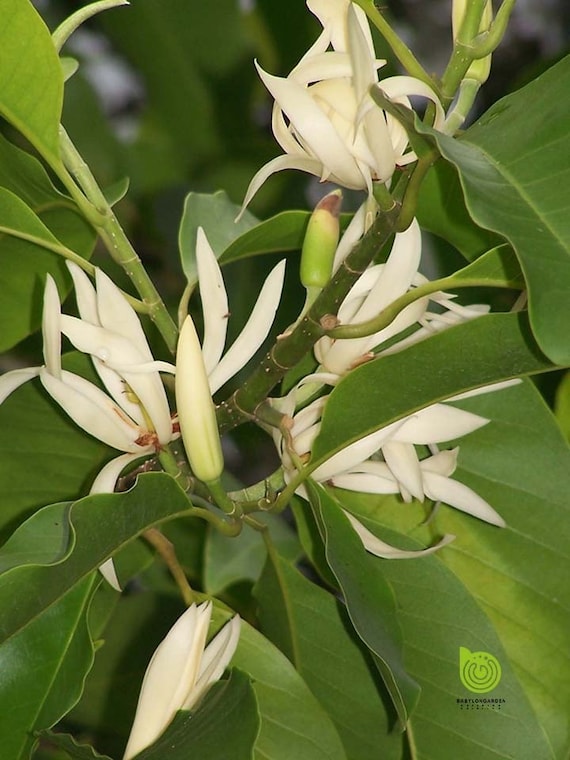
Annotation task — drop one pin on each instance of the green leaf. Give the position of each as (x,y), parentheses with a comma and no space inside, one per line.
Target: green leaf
(393,386)
(368,599)
(232,560)
(310,626)
(562,405)
(442,210)
(517,576)
(98,526)
(72,749)
(226,722)
(31,79)
(498,267)
(216,214)
(42,211)
(43,668)
(45,458)
(516,183)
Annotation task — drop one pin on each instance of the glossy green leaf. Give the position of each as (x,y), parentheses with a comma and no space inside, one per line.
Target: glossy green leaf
(515,181)
(310,626)
(72,748)
(216,214)
(98,526)
(226,721)
(442,210)
(391,387)
(232,560)
(498,267)
(41,211)
(43,668)
(517,576)
(31,79)
(45,458)
(369,601)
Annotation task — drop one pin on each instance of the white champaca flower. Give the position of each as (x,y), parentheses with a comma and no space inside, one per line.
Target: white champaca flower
(324,117)
(181,670)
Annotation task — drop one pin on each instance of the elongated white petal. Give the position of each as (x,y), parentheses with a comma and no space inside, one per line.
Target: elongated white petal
(254,332)
(169,677)
(365,482)
(92,410)
(315,128)
(12,380)
(362,62)
(214,301)
(460,497)
(196,411)
(51,328)
(438,423)
(332,15)
(380,548)
(116,314)
(107,570)
(108,475)
(351,236)
(85,294)
(442,463)
(486,389)
(403,463)
(215,660)
(107,345)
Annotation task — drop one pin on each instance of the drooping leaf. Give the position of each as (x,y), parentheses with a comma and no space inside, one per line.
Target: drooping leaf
(393,386)
(368,599)
(226,722)
(43,669)
(515,182)
(31,78)
(310,626)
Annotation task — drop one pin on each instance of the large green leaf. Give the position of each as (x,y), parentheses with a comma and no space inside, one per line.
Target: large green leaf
(46,457)
(310,626)
(43,668)
(518,576)
(226,718)
(369,601)
(514,164)
(31,79)
(39,210)
(390,387)
(81,540)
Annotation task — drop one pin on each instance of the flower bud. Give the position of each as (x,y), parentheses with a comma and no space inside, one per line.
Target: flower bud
(480,68)
(321,241)
(196,411)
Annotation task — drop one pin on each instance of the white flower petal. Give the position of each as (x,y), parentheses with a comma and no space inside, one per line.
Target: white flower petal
(443,463)
(438,423)
(365,482)
(403,463)
(169,677)
(85,294)
(108,475)
(92,410)
(460,497)
(214,301)
(12,380)
(380,548)
(486,389)
(107,570)
(254,332)
(51,328)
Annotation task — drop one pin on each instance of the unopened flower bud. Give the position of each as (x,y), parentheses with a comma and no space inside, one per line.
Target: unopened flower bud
(321,241)
(196,411)
(479,70)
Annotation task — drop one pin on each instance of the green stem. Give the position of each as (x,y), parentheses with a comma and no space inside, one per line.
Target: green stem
(165,549)
(402,52)
(485,43)
(462,56)
(455,119)
(412,191)
(99,213)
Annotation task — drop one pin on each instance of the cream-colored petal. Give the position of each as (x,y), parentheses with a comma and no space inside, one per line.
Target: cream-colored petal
(214,297)
(108,475)
(215,660)
(85,294)
(169,677)
(365,482)
(254,332)
(404,465)
(443,463)
(12,380)
(486,389)
(438,423)
(51,328)
(107,570)
(380,548)
(460,497)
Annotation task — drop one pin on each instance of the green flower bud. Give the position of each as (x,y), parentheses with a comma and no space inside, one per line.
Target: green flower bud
(321,241)
(196,411)
(479,70)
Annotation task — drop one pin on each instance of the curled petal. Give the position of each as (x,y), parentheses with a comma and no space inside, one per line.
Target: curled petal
(255,331)
(12,380)
(380,548)
(107,477)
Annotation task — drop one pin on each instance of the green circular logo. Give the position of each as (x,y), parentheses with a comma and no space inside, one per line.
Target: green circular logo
(479,672)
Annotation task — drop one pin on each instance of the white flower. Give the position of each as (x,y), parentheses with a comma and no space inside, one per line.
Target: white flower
(216,312)
(181,670)
(324,117)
